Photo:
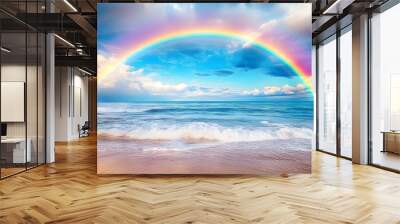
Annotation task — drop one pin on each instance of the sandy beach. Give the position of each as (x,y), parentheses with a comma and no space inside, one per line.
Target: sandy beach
(272,157)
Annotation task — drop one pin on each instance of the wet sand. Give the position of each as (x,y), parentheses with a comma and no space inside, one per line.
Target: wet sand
(121,156)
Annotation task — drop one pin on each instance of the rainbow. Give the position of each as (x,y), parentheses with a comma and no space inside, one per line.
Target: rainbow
(180,34)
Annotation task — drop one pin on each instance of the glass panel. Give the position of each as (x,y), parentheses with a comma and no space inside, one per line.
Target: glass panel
(314,72)
(41,98)
(327,96)
(386,89)
(32,87)
(22,88)
(346,93)
(31,100)
(13,88)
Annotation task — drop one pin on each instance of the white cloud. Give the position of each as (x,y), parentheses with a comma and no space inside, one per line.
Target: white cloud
(177,7)
(276,90)
(125,76)
(272,90)
(293,89)
(254,92)
(263,28)
(119,72)
(294,18)
(234,45)
(195,91)
(155,87)
(298,18)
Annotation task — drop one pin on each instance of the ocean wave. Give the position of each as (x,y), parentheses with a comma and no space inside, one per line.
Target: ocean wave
(205,109)
(163,110)
(119,109)
(200,131)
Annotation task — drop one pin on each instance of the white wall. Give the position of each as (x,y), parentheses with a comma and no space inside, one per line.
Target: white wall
(80,109)
(62,81)
(71,102)
(16,73)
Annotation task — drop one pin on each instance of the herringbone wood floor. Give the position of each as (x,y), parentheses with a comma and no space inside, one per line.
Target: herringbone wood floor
(69,191)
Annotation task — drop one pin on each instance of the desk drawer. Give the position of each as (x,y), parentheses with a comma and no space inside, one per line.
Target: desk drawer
(392,142)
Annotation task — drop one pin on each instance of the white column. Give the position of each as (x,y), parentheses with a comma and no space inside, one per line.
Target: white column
(63,101)
(50,92)
(360,90)
(50,99)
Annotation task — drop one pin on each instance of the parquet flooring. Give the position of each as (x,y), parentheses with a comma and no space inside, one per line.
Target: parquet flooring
(69,191)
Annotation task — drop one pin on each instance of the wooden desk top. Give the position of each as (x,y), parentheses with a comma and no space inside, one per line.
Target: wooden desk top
(13,140)
(391,132)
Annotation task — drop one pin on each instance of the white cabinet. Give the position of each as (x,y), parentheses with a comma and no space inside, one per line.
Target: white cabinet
(19,155)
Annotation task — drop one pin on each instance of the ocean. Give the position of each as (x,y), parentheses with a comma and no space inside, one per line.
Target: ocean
(182,125)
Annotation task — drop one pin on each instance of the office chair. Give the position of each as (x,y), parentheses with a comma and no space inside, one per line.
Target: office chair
(84,130)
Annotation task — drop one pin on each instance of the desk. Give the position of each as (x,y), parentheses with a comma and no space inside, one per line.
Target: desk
(391,141)
(19,155)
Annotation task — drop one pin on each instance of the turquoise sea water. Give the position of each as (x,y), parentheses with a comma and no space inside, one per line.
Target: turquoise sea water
(214,121)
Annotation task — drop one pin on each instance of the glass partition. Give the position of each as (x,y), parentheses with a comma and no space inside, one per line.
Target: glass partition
(327,96)
(31,99)
(346,93)
(385,89)
(41,97)
(13,105)
(22,77)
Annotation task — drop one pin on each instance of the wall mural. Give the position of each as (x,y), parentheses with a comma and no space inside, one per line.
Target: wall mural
(204,88)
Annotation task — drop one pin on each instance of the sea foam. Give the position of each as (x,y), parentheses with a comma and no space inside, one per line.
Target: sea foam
(202,131)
